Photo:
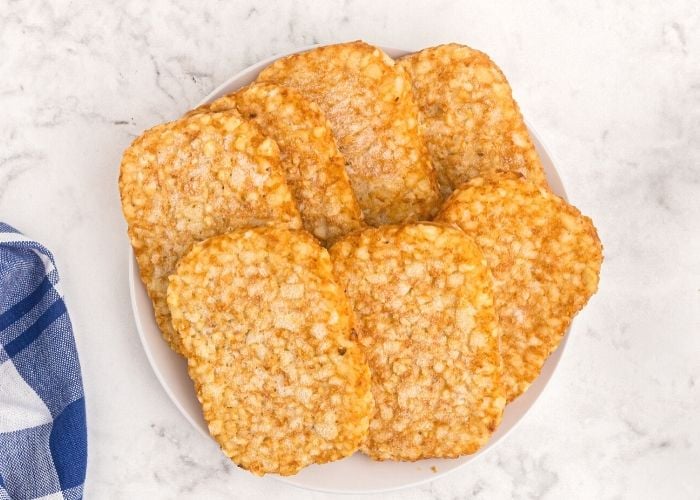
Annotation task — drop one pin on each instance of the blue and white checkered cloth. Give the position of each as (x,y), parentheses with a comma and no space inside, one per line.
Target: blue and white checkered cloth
(43,439)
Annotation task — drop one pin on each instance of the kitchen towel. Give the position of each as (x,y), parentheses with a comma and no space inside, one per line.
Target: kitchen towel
(43,438)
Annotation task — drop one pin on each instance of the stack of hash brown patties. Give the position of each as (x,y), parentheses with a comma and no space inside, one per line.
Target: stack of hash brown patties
(356,253)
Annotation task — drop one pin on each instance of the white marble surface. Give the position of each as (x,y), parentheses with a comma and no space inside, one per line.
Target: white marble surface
(613,89)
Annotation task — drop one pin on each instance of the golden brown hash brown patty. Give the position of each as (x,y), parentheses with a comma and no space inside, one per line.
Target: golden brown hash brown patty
(370,106)
(281,383)
(545,258)
(471,124)
(423,302)
(190,179)
(314,167)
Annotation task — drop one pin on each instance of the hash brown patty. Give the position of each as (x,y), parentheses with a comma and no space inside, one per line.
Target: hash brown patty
(423,300)
(470,121)
(187,180)
(369,103)
(267,329)
(545,258)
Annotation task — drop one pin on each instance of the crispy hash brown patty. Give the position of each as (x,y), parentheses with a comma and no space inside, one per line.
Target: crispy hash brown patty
(314,167)
(369,103)
(423,302)
(545,258)
(281,383)
(471,124)
(190,179)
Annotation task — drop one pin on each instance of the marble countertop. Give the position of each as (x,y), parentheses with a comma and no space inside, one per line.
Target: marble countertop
(613,88)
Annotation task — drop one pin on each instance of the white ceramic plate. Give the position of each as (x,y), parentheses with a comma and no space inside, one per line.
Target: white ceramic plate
(356,474)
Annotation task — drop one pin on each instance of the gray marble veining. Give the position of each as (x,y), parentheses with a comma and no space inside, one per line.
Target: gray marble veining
(613,89)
